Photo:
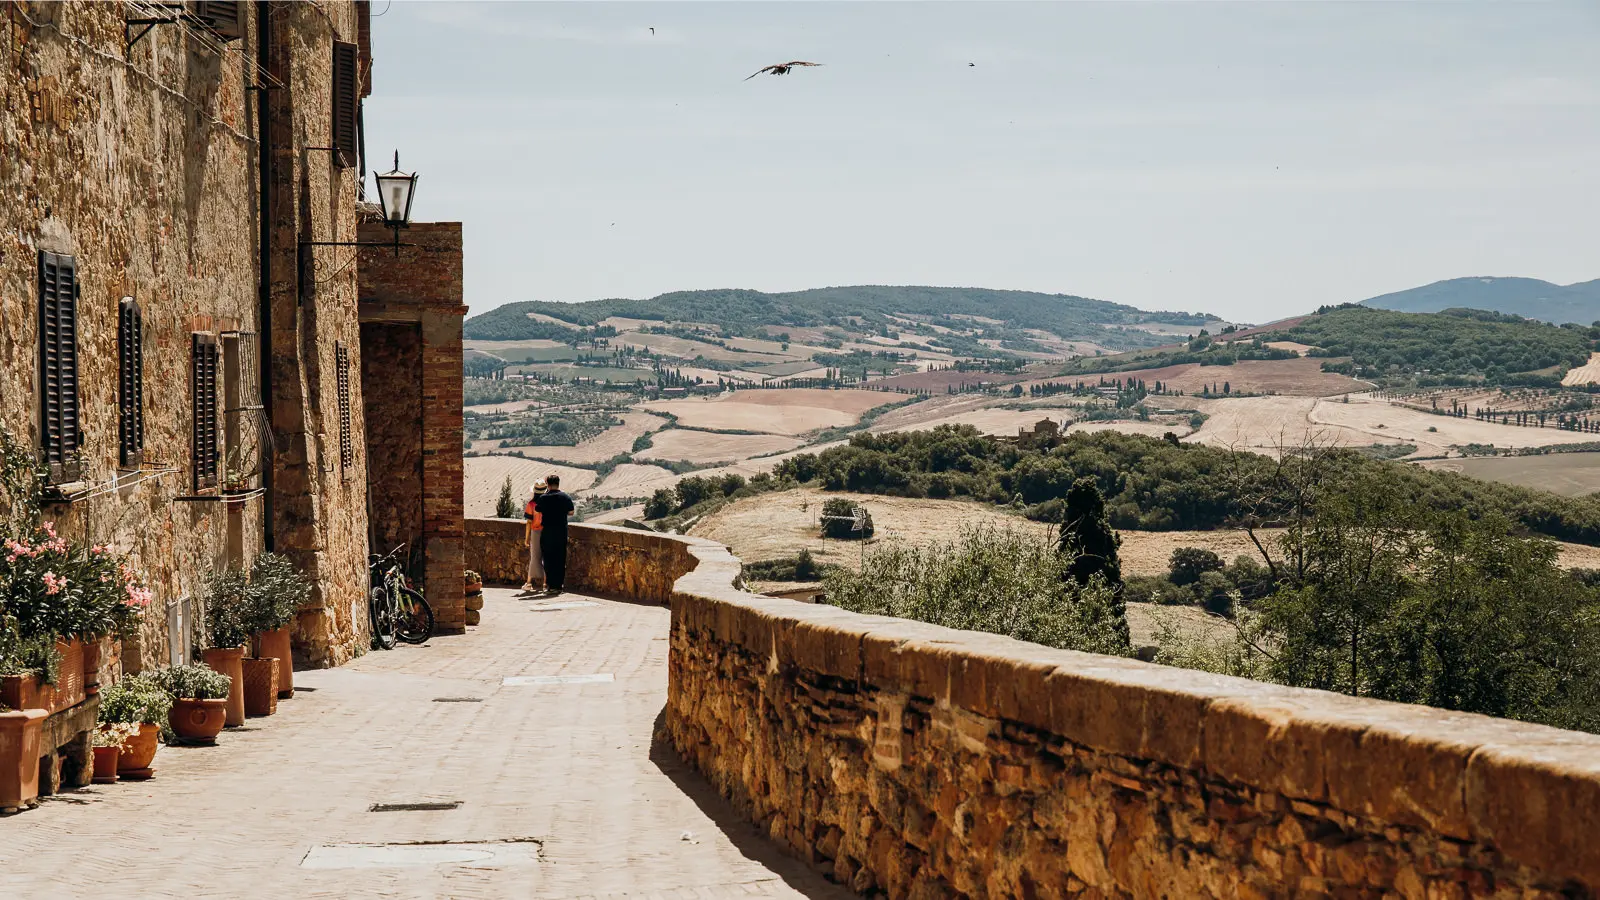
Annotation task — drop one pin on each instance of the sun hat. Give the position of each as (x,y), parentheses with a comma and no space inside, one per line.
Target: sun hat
(537,486)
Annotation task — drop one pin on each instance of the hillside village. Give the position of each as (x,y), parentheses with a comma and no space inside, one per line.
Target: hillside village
(322,574)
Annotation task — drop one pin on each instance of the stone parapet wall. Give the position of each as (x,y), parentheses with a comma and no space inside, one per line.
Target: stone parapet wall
(917,761)
(601,559)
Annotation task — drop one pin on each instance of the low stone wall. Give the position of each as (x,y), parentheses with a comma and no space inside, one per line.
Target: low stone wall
(601,559)
(918,761)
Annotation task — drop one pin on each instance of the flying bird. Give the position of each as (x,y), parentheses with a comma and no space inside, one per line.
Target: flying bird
(652,30)
(782,68)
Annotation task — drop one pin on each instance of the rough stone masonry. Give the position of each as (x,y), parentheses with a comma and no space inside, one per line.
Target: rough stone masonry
(909,760)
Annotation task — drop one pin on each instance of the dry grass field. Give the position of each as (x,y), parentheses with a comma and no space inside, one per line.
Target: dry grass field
(1567,474)
(708,447)
(1588,373)
(615,516)
(611,442)
(1380,421)
(992,420)
(1298,377)
(1263,424)
(791,411)
(633,480)
(1152,428)
(777,525)
(484,475)
(510,406)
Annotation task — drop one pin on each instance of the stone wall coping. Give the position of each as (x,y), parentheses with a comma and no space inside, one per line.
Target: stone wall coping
(1530,790)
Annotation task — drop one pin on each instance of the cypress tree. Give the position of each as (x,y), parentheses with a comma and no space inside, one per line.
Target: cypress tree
(1088,538)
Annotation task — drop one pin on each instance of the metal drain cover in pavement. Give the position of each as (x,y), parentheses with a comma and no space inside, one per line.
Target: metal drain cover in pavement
(427,806)
(602,678)
(458,699)
(481,855)
(562,604)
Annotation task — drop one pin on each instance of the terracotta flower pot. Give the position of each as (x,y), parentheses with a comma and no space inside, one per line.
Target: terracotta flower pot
(19,757)
(275,645)
(139,750)
(260,686)
(105,764)
(474,587)
(30,691)
(198,720)
(228,661)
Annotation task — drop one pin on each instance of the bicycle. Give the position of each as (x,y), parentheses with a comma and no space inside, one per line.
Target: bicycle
(398,612)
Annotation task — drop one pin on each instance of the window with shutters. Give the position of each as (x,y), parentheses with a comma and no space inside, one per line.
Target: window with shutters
(347,450)
(58,365)
(346,102)
(223,19)
(130,384)
(203,391)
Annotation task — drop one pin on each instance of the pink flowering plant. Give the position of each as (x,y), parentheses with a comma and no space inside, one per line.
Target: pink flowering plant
(50,586)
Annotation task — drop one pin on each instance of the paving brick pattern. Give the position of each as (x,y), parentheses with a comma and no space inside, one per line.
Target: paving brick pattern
(570,766)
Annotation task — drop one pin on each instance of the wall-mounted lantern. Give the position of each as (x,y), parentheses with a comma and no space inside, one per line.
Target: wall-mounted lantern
(396,190)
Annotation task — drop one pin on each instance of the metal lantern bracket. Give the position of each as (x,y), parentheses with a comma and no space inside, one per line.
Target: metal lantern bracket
(306,258)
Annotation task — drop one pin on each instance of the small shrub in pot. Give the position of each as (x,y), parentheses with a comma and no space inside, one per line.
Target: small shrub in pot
(199,701)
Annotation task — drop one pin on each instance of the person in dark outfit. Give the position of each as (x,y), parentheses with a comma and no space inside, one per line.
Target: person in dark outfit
(554,507)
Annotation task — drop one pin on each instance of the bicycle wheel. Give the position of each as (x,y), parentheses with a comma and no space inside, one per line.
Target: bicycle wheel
(414,623)
(381,609)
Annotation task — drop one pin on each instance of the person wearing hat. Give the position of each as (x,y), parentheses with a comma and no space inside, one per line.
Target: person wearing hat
(533,527)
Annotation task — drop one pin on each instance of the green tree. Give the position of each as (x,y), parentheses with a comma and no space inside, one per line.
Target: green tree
(1087,538)
(504,506)
(662,503)
(1187,564)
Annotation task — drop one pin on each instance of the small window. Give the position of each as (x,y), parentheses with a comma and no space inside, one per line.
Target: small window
(203,391)
(341,359)
(346,102)
(130,384)
(58,365)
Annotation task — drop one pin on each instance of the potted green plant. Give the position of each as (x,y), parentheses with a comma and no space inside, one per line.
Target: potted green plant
(70,596)
(139,701)
(276,593)
(107,741)
(226,599)
(199,701)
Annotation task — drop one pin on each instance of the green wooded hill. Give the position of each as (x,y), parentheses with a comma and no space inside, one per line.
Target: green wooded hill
(1527,297)
(1452,342)
(743,311)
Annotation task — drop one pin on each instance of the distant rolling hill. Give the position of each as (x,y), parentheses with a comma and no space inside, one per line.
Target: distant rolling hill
(743,311)
(1528,297)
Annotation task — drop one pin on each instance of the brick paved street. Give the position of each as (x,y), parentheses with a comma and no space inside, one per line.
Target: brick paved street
(560,793)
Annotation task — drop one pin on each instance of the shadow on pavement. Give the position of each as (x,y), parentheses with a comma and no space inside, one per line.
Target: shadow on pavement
(744,835)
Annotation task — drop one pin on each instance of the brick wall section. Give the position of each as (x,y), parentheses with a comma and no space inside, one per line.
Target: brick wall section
(391,375)
(918,761)
(421,285)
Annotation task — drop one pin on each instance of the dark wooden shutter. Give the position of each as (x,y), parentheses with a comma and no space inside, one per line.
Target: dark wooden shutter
(58,364)
(346,99)
(130,383)
(203,387)
(347,450)
(222,18)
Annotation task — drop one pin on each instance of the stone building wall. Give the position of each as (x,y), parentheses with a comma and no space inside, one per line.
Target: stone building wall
(318,502)
(143,162)
(137,162)
(910,760)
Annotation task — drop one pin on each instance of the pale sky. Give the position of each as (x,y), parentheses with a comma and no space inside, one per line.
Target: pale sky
(1252,160)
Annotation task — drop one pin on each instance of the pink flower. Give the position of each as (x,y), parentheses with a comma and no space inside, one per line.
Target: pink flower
(53,583)
(139,596)
(48,528)
(100,549)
